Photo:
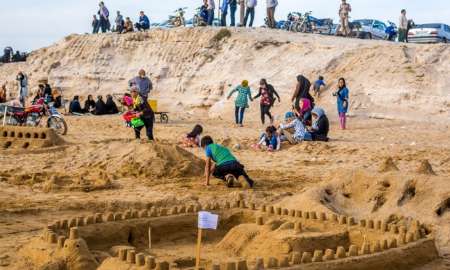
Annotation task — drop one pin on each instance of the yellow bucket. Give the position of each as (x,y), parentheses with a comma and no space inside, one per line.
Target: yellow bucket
(153,104)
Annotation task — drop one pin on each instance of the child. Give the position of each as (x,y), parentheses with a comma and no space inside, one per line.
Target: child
(270,140)
(300,133)
(342,102)
(226,167)
(192,139)
(241,103)
(145,114)
(318,86)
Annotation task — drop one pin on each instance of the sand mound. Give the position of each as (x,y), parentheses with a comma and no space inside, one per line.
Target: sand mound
(425,168)
(160,161)
(182,60)
(388,165)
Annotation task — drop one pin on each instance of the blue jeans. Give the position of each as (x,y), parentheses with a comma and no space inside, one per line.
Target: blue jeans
(223,21)
(210,16)
(233,9)
(308,136)
(251,12)
(239,115)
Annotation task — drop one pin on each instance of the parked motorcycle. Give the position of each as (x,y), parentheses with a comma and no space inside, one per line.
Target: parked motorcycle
(292,18)
(391,31)
(304,24)
(178,19)
(32,116)
(321,26)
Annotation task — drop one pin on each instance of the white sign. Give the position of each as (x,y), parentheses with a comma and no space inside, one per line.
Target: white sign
(206,220)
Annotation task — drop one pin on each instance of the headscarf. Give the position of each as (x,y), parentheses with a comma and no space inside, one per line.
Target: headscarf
(244,83)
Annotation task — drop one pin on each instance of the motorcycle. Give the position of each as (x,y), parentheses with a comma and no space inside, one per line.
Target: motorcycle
(291,19)
(278,24)
(303,25)
(391,31)
(178,19)
(321,26)
(32,116)
(200,17)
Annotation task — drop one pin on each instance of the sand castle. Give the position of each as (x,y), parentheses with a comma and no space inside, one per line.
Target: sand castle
(248,237)
(16,137)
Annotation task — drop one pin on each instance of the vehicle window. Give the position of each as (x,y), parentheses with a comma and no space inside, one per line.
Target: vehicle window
(379,26)
(429,25)
(447,28)
(364,22)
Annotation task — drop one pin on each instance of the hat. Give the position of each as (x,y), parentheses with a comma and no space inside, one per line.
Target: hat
(244,83)
(289,115)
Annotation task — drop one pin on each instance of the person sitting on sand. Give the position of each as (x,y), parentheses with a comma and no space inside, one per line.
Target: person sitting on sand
(144,112)
(100,106)
(241,102)
(226,167)
(75,106)
(110,106)
(192,139)
(39,94)
(299,133)
(305,111)
(269,140)
(321,126)
(57,98)
(89,105)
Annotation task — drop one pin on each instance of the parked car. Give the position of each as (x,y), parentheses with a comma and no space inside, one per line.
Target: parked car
(372,29)
(429,33)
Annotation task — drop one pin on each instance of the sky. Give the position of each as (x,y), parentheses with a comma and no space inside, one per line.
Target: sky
(32,24)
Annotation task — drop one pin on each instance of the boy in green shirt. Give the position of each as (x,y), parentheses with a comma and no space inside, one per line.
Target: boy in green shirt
(226,166)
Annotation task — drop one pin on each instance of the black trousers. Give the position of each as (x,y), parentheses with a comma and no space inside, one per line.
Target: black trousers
(265,110)
(148,124)
(234,168)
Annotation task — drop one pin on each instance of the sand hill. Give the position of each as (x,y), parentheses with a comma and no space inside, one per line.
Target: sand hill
(192,69)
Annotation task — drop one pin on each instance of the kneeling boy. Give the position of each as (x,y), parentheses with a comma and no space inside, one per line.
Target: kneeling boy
(226,166)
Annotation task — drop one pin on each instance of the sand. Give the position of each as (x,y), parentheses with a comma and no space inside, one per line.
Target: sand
(393,162)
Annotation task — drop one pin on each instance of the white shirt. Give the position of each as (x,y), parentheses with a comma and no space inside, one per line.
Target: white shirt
(272,3)
(251,3)
(403,22)
(211,4)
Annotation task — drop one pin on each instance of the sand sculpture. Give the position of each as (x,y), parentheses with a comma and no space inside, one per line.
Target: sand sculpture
(248,237)
(15,137)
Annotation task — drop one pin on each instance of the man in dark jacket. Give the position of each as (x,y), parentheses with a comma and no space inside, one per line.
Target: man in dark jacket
(75,106)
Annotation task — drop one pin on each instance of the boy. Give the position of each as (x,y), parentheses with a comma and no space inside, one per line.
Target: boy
(226,166)
(318,86)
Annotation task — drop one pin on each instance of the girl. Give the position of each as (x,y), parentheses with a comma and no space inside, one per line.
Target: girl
(342,102)
(192,139)
(270,140)
(267,94)
(241,103)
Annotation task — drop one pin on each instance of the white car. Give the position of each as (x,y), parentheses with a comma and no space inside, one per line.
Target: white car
(429,33)
(372,29)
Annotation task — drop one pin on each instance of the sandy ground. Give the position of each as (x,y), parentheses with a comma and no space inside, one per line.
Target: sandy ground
(287,177)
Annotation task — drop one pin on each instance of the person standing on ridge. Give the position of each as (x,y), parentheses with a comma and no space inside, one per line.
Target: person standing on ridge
(104,17)
(233,8)
(95,24)
(22,79)
(211,7)
(119,22)
(250,11)
(224,10)
(344,12)
(403,27)
(143,84)
(271,6)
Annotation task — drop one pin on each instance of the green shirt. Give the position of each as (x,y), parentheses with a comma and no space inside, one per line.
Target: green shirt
(219,154)
(244,94)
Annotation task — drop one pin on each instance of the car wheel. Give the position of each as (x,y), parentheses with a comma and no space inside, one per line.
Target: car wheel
(368,36)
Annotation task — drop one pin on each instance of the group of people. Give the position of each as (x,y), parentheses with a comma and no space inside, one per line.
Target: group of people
(305,122)
(247,11)
(91,106)
(103,24)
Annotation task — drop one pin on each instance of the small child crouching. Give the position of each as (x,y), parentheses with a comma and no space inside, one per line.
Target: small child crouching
(192,139)
(269,140)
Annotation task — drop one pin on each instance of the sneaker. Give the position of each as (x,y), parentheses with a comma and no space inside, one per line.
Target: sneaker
(230,180)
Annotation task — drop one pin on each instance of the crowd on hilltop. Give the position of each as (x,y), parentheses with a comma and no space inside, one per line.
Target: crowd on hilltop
(121,25)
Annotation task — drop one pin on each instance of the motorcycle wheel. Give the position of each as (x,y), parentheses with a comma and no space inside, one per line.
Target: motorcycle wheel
(58,124)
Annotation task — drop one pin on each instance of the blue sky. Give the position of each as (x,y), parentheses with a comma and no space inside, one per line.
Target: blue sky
(31,24)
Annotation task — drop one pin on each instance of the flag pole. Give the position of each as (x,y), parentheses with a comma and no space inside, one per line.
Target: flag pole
(199,242)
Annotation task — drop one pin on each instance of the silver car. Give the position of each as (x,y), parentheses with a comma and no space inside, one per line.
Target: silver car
(372,29)
(429,33)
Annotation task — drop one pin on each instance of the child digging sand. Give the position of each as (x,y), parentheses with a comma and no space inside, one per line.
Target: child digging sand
(192,139)
(226,167)
(270,140)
